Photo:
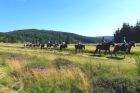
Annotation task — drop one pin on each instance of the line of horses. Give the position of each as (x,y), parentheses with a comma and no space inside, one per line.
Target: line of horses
(79,47)
(48,45)
(125,48)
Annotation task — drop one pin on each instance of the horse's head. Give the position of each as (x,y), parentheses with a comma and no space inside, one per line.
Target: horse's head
(132,43)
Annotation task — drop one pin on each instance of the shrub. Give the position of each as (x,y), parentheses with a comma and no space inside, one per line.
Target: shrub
(42,64)
(117,84)
(62,63)
(92,70)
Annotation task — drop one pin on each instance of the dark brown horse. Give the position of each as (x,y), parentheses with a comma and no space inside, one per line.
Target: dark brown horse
(63,46)
(28,45)
(79,47)
(55,45)
(36,45)
(49,45)
(105,46)
(42,45)
(124,48)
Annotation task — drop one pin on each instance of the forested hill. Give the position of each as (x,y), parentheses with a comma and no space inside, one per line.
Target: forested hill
(34,35)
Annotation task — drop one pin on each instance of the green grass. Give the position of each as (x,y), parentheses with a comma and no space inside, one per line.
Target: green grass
(52,71)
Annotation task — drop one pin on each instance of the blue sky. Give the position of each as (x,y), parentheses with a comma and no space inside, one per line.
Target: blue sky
(85,17)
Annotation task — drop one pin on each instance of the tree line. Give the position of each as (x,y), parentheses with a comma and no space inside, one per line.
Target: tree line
(132,33)
(34,35)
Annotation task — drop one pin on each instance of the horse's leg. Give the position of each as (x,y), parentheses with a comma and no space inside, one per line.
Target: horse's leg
(116,53)
(96,51)
(75,50)
(109,51)
(105,52)
(113,52)
(125,53)
(60,48)
(78,50)
(99,52)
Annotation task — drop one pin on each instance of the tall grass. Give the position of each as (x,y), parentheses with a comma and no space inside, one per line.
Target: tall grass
(59,77)
(42,71)
(137,58)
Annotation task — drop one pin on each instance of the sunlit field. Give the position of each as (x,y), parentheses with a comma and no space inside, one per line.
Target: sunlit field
(35,70)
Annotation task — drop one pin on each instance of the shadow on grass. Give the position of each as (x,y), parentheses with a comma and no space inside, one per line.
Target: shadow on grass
(95,55)
(116,58)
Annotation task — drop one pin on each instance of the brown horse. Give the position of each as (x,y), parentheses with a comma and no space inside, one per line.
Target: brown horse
(63,46)
(105,46)
(55,45)
(124,48)
(79,47)
(49,45)
(42,45)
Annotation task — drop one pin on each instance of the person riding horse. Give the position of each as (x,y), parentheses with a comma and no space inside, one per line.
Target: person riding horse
(125,48)
(49,44)
(124,43)
(55,45)
(63,45)
(79,47)
(103,41)
(104,46)
(79,43)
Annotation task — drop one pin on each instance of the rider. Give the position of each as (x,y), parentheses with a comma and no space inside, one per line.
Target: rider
(79,43)
(49,42)
(103,41)
(63,43)
(124,41)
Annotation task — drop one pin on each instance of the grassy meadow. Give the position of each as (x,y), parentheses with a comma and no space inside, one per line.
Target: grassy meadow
(32,70)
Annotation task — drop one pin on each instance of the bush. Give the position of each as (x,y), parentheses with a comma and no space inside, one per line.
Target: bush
(92,70)
(37,64)
(120,84)
(62,63)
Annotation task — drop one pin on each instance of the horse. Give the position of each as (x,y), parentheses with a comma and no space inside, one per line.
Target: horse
(79,47)
(49,45)
(38,44)
(105,46)
(28,45)
(42,45)
(63,46)
(55,45)
(124,48)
